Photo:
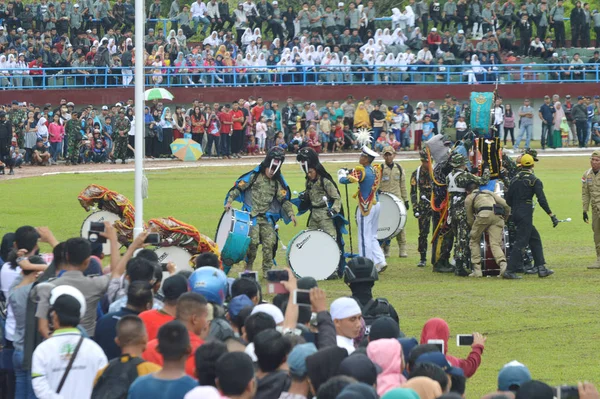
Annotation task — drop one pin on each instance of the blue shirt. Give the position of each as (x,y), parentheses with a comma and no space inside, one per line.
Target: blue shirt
(547,113)
(149,386)
(590,112)
(106,331)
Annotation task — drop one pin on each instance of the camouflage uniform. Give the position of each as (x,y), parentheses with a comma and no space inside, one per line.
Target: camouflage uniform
(17,118)
(264,192)
(120,139)
(447,113)
(73,131)
(590,196)
(457,181)
(319,215)
(420,185)
(393,180)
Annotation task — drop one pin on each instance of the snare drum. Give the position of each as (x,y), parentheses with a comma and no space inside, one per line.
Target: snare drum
(392,216)
(489,267)
(99,216)
(233,235)
(179,256)
(313,253)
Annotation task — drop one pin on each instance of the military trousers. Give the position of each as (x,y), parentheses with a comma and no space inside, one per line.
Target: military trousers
(494,226)
(596,229)
(262,233)
(526,234)
(320,220)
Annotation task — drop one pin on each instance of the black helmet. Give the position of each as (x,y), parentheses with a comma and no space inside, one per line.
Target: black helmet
(359,270)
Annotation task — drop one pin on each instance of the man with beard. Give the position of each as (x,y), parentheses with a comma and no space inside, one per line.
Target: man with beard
(265,194)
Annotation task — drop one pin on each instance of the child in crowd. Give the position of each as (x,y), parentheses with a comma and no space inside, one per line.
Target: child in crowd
(325,126)
(261,134)
(393,142)
(564,131)
(339,135)
(16,156)
(107,131)
(86,151)
(405,131)
(381,142)
(252,148)
(270,142)
(427,129)
(595,133)
(461,127)
(418,126)
(280,141)
(297,142)
(99,154)
(313,140)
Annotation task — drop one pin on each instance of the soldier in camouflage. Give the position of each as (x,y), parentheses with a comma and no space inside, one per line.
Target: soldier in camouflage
(321,196)
(73,132)
(457,182)
(420,186)
(269,198)
(120,137)
(393,180)
(447,113)
(17,117)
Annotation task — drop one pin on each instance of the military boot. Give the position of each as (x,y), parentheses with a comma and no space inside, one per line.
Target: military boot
(595,265)
(443,266)
(461,270)
(544,272)
(476,271)
(386,250)
(402,253)
(502,269)
(531,269)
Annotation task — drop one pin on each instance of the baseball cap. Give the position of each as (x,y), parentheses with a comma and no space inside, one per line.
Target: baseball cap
(526,160)
(405,98)
(513,374)
(76,6)
(439,359)
(360,367)
(275,3)
(174,286)
(568,96)
(297,358)
(105,108)
(580,98)
(388,150)
(461,31)
(118,105)
(535,390)
(67,300)
(434,29)
(596,153)
(237,304)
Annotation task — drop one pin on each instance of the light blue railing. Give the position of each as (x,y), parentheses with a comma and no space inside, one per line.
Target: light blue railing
(217,76)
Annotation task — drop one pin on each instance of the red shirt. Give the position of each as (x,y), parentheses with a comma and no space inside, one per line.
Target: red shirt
(237,114)
(151,354)
(225,117)
(153,320)
(257,113)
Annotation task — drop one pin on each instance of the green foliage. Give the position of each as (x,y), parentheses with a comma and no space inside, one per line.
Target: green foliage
(550,324)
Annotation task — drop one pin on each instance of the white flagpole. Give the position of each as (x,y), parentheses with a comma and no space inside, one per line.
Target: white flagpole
(139,116)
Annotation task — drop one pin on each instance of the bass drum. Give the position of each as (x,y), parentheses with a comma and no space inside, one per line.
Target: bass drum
(233,236)
(99,216)
(489,267)
(392,216)
(179,256)
(313,253)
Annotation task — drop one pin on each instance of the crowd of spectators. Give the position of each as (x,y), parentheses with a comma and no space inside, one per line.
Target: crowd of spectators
(34,135)
(198,334)
(262,43)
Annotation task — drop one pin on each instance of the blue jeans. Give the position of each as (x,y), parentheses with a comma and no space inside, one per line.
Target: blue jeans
(225,144)
(405,143)
(209,144)
(55,150)
(588,132)
(375,133)
(527,129)
(23,387)
(200,20)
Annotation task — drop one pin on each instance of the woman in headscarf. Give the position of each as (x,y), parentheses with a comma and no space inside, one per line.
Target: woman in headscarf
(476,73)
(256,34)
(387,38)
(252,48)
(261,69)
(228,70)
(112,47)
(390,68)
(555,138)
(438,329)
(324,364)
(30,128)
(401,393)
(410,17)
(398,19)
(4,71)
(398,38)
(346,69)
(166,122)
(221,51)
(42,130)
(387,354)
(378,34)
(247,37)
(425,387)
(361,117)
(150,133)
(369,45)
(212,39)
(325,72)
(181,38)
(416,39)
(21,73)
(157,76)
(275,44)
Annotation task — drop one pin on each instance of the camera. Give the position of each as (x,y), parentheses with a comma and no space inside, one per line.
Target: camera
(153,238)
(94,234)
(567,392)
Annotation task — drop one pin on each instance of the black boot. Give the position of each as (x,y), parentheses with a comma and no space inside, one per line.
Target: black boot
(443,266)
(461,270)
(511,276)
(544,272)
(423,261)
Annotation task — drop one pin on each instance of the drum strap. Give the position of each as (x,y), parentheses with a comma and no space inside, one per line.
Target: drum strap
(452,187)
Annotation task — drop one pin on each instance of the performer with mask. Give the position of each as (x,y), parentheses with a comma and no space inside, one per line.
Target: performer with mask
(265,194)
(368,178)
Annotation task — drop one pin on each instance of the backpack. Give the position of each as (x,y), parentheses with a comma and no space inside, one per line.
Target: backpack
(99,57)
(114,383)
(373,310)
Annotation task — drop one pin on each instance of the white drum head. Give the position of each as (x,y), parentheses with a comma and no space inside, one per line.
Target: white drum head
(224,228)
(99,216)
(177,255)
(392,216)
(314,253)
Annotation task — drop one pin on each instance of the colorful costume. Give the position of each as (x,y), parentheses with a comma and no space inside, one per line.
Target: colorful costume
(420,186)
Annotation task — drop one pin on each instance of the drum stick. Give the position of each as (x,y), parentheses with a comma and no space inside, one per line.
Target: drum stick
(423,197)
(565,220)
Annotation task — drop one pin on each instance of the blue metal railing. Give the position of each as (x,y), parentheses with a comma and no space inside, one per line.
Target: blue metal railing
(217,76)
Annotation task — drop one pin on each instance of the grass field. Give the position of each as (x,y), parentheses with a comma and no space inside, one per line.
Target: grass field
(551,325)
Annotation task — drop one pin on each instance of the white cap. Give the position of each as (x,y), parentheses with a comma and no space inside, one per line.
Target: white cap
(345,307)
(105,108)
(434,29)
(275,2)
(271,310)
(71,291)
(76,6)
(367,151)
(1,27)
(341,4)
(19,29)
(88,31)
(461,31)
(118,105)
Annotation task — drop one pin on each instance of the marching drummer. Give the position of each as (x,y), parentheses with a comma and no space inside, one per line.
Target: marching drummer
(393,180)
(321,195)
(486,212)
(268,188)
(420,193)
(368,178)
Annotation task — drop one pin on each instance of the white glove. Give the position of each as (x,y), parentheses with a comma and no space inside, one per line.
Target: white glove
(342,173)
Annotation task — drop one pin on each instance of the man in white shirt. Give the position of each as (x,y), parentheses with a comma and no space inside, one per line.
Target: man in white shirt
(346,315)
(198,16)
(424,57)
(52,357)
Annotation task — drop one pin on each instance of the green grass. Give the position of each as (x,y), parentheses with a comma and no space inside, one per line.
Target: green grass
(551,325)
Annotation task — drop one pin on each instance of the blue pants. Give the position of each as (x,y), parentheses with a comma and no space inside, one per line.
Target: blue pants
(209,144)
(55,150)
(405,143)
(225,144)
(375,135)
(23,387)
(200,20)
(527,129)
(398,135)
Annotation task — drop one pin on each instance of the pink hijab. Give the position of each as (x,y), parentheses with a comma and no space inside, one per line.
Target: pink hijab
(387,354)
